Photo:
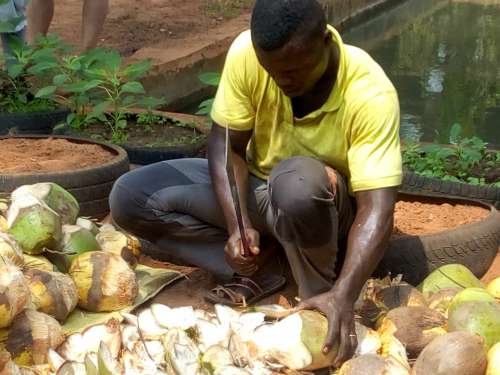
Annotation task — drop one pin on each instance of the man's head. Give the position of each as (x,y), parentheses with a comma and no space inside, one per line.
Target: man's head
(292,42)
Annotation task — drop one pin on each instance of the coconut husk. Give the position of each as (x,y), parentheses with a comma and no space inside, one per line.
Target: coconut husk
(481,318)
(38,262)
(415,327)
(494,360)
(53,293)
(104,281)
(449,276)
(441,300)
(75,241)
(88,224)
(14,294)
(116,242)
(72,368)
(494,288)
(7,366)
(10,250)
(30,337)
(54,196)
(456,353)
(373,364)
(33,225)
(403,295)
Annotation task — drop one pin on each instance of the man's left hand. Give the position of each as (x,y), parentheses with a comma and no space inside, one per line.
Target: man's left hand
(341,332)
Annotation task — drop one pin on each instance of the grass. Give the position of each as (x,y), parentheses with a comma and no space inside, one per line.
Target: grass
(225,8)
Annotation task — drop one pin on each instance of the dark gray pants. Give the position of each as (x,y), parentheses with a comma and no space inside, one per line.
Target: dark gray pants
(173,205)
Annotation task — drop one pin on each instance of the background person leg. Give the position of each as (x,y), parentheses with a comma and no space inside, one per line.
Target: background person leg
(94,15)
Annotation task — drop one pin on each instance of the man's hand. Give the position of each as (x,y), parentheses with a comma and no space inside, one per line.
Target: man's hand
(245,266)
(341,332)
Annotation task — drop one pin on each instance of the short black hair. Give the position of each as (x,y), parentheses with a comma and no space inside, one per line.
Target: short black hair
(274,22)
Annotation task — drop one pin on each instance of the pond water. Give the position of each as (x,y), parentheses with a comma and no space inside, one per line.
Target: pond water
(444,59)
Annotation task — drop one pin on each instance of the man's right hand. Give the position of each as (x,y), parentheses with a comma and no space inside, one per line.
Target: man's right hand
(243,265)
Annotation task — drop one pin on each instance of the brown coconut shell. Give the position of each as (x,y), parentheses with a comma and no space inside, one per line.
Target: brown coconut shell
(372,364)
(403,295)
(456,353)
(415,327)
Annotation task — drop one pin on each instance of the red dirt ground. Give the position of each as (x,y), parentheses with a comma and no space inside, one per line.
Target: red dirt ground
(133,24)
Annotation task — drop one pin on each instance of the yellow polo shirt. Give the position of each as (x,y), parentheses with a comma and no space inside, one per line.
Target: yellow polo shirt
(356,131)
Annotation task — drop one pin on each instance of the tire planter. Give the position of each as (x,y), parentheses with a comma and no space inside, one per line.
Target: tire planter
(90,186)
(474,245)
(150,155)
(32,122)
(415,183)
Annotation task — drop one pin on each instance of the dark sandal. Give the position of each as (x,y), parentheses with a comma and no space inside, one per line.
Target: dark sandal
(242,291)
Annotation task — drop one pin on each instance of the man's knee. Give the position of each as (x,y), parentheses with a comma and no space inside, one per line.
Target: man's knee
(300,186)
(125,202)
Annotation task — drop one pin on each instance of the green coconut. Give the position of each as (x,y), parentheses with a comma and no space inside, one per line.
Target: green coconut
(494,360)
(494,288)
(10,250)
(38,262)
(477,317)
(33,225)
(54,196)
(469,295)
(456,353)
(449,276)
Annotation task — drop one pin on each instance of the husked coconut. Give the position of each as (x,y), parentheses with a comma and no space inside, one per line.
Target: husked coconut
(10,250)
(470,295)
(116,242)
(53,293)
(38,262)
(373,364)
(456,353)
(415,327)
(33,225)
(104,281)
(14,293)
(54,196)
(494,360)
(30,337)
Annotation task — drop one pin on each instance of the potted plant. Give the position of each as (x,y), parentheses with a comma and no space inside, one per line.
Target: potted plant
(21,75)
(104,93)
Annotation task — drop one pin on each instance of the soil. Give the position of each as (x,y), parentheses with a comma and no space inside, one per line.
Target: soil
(21,155)
(167,133)
(133,24)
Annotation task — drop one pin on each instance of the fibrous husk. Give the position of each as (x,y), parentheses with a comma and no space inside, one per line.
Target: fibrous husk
(10,250)
(372,364)
(449,276)
(415,327)
(34,225)
(494,288)
(88,224)
(470,295)
(55,360)
(116,242)
(53,293)
(54,196)
(403,295)
(30,337)
(182,354)
(494,360)
(441,300)
(7,366)
(296,341)
(38,262)
(456,353)
(481,318)
(104,281)
(14,293)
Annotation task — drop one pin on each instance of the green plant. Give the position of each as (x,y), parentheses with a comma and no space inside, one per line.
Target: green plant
(210,79)
(225,8)
(465,160)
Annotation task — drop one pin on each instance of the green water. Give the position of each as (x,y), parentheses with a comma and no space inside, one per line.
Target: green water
(444,59)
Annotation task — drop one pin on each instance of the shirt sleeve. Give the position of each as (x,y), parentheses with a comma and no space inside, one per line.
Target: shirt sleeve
(232,106)
(374,155)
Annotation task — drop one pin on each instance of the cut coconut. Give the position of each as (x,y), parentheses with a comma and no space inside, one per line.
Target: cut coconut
(481,318)
(216,357)
(55,360)
(90,366)
(441,300)
(130,335)
(72,368)
(118,243)
(54,196)
(239,351)
(494,288)
(494,360)
(34,225)
(38,262)
(182,353)
(415,327)
(274,311)
(134,364)
(226,315)
(403,295)
(4,227)
(296,341)
(108,333)
(148,325)
(210,333)
(247,324)
(14,294)
(470,295)
(9,250)
(106,363)
(369,341)
(104,281)
(180,317)
(30,337)
(392,347)
(73,348)
(53,293)
(88,224)
(456,353)
(373,364)
(449,276)
(231,370)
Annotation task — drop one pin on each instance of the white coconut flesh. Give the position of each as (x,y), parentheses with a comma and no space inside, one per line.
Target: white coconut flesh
(134,364)
(226,315)
(247,324)
(106,363)
(181,352)
(74,348)
(130,335)
(217,357)
(55,360)
(369,341)
(148,325)
(180,317)
(109,334)
(210,333)
(72,368)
